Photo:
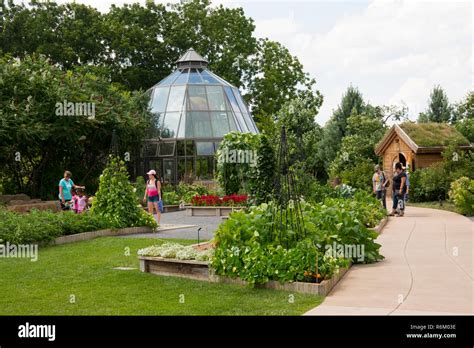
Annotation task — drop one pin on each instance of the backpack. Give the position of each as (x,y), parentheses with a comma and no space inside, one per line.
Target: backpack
(387,182)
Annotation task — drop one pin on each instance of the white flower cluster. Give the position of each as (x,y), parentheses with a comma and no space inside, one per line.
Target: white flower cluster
(177,251)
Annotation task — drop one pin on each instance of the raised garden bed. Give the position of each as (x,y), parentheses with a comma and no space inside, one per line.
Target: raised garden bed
(172,267)
(26,206)
(72,238)
(199,270)
(210,211)
(169,208)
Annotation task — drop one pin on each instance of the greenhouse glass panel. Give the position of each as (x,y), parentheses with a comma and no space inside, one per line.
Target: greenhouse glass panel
(232,124)
(240,101)
(233,101)
(200,124)
(207,78)
(182,78)
(190,148)
(197,98)
(159,98)
(170,125)
(216,99)
(149,150)
(204,148)
(194,77)
(176,98)
(167,149)
(169,80)
(220,124)
(249,121)
(243,126)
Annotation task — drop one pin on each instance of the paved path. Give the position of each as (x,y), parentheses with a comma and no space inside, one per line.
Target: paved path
(186,227)
(428,265)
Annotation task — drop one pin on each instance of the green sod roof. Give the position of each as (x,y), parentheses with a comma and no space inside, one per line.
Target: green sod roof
(433,134)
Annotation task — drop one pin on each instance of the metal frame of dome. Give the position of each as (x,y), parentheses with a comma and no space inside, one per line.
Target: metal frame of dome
(195,108)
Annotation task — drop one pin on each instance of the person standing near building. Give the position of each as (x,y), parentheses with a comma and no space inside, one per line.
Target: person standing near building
(379,185)
(399,190)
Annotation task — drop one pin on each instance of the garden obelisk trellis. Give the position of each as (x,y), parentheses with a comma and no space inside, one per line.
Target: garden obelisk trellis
(287,216)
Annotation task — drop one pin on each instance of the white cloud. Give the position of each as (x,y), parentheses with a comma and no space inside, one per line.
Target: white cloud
(393,51)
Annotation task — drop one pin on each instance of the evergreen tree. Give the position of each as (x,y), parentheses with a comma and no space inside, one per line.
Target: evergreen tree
(439,110)
(335,129)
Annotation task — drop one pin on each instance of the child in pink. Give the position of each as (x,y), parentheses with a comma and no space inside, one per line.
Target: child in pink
(80,202)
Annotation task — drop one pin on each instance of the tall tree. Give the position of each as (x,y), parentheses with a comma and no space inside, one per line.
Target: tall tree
(275,78)
(463,117)
(303,134)
(68,34)
(45,129)
(335,129)
(439,109)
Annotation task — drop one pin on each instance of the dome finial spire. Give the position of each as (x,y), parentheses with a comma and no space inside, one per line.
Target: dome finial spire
(191,59)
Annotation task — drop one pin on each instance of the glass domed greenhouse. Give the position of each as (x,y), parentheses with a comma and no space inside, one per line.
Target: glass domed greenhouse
(193,109)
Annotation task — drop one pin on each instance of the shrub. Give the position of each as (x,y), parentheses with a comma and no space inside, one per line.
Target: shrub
(116,201)
(462,194)
(29,228)
(171,198)
(44,226)
(429,184)
(433,183)
(359,175)
(318,192)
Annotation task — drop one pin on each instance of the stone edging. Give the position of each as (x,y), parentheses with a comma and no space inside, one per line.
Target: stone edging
(72,238)
(211,210)
(379,228)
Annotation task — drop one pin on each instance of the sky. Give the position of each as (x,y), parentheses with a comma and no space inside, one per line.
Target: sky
(394,51)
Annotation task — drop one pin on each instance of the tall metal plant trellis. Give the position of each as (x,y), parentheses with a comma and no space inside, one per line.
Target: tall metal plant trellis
(288,222)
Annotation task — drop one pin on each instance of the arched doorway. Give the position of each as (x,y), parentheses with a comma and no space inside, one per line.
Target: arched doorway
(402,159)
(399,158)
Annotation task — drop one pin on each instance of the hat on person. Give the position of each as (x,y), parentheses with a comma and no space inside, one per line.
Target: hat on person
(377,167)
(152,172)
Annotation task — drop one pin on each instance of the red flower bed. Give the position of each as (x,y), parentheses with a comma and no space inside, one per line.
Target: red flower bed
(211,200)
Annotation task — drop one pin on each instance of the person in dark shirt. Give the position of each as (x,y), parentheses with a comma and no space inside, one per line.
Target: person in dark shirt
(399,189)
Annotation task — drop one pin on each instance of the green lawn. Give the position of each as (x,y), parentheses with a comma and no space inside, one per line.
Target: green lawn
(85,270)
(449,206)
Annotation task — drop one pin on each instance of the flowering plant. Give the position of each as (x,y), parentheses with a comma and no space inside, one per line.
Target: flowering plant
(212,200)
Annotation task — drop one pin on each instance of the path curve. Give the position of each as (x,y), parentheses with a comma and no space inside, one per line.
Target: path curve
(428,270)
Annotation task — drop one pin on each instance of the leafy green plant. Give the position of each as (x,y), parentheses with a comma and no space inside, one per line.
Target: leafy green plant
(116,201)
(171,198)
(251,246)
(265,171)
(462,194)
(233,175)
(44,226)
(140,186)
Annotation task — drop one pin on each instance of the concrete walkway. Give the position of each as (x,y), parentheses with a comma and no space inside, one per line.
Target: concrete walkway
(179,225)
(427,270)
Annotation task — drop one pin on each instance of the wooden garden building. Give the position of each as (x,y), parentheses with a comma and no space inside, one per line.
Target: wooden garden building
(417,144)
